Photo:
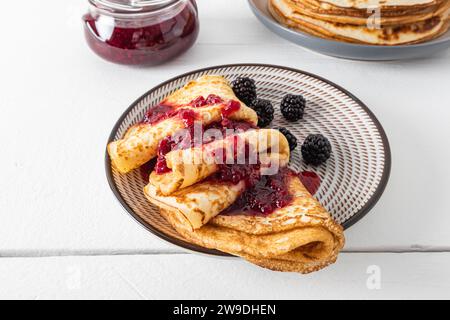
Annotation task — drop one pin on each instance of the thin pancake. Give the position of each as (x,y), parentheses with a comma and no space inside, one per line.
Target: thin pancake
(195,206)
(388,6)
(303,8)
(385,12)
(392,35)
(299,238)
(201,202)
(192,165)
(140,143)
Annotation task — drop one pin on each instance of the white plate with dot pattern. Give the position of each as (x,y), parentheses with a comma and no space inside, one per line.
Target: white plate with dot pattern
(352,180)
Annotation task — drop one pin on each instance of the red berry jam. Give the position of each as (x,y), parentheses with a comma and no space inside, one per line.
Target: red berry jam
(159,113)
(202,102)
(181,140)
(189,117)
(267,194)
(163,112)
(199,102)
(231,125)
(165,146)
(150,36)
(213,99)
(264,194)
(230,108)
(161,166)
(311,181)
(236,173)
(194,137)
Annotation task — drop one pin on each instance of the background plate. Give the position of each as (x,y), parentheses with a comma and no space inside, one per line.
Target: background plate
(347,50)
(352,180)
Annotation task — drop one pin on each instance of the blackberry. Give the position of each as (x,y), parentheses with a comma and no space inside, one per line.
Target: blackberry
(316,149)
(290,138)
(265,111)
(293,107)
(245,89)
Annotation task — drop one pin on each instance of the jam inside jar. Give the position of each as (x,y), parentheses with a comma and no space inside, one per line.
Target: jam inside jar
(146,32)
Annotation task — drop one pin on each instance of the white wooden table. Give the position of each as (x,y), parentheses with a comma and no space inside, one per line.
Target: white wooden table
(63,235)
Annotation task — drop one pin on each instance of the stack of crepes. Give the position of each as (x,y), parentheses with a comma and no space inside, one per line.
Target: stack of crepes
(298,237)
(373,22)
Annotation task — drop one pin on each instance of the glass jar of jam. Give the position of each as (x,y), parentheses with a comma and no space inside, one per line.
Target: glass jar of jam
(141,32)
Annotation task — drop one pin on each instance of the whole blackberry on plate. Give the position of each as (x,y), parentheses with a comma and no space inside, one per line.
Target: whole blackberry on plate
(265,111)
(316,149)
(290,138)
(245,89)
(293,107)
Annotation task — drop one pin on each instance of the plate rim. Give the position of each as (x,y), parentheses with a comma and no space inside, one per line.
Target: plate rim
(440,40)
(198,249)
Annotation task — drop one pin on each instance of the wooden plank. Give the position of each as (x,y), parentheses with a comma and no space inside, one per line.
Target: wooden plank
(355,276)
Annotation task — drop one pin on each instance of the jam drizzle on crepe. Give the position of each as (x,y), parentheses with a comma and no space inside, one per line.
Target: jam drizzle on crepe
(187,139)
(264,194)
(166,111)
(202,102)
(158,113)
(267,194)
(311,181)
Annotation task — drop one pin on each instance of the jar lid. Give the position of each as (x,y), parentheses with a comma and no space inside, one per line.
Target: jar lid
(131,6)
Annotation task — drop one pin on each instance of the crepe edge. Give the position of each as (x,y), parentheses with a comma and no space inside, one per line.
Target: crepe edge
(304,8)
(267,263)
(179,178)
(385,8)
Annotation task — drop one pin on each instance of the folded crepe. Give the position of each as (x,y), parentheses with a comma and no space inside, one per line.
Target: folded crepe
(140,143)
(392,30)
(198,204)
(192,165)
(301,237)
